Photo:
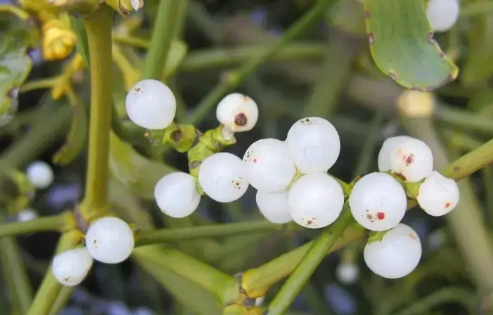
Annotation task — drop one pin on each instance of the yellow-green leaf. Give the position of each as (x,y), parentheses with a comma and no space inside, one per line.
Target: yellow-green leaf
(402,44)
(134,171)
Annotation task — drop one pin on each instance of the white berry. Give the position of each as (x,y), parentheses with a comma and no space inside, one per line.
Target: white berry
(443,14)
(269,166)
(110,240)
(378,202)
(27,215)
(151,104)
(316,200)
(71,267)
(223,178)
(347,273)
(40,174)
(314,144)
(396,255)
(412,159)
(438,195)
(387,147)
(274,206)
(176,195)
(237,112)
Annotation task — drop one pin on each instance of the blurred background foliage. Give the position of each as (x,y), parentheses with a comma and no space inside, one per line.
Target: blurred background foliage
(327,71)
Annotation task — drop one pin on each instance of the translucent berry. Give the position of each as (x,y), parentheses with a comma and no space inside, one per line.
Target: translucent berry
(71,267)
(110,240)
(237,112)
(40,174)
(378,202)
(396,255)
(269,166)
(443,14)
(176,195)
(223,178)
(384,154)
(274,206)
(438,195)
(315,200)
(314,144)
(347,273)
(412,159)
(27,215)
(151,104)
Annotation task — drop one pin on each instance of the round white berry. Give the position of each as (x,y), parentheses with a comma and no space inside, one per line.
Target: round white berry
(387,147)
(443,14)
(378,202)
(27,215)
(110,240)
(223,178)
(237,112)
(438,195)
(269,166)
(40,174)
(176,195)
(151,104)
(396,255)
(314,144)
(274,206)
(412,159)
(315,200)
(347,273)
(71,267)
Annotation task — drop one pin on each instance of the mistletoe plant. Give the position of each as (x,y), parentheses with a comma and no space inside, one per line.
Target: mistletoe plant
(295,192)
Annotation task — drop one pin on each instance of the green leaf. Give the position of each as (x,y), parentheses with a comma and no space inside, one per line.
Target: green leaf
(134,171)
(478,66)
(197,299)
(76,138)
(177,53)
(81,45)
(402,44)
(15,63)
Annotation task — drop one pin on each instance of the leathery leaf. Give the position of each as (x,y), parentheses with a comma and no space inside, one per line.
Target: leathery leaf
(402,44)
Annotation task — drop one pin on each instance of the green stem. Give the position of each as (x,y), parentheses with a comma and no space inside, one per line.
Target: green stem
(61,300)
(237,77)
(313,257)
(50,288)
(224,286)
(464,119)
(62,222)
(162,36)
(475,8)
(206,231)
(98,28)
(446,295)
(131,41)
(20,288)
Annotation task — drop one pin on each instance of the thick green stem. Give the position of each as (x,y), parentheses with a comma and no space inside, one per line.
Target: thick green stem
(19,286)
(62,223)
(162,36)
(237,77)
(206,231)
(466,220)
(61,301)
(322,245)
(98,28)
(50,287)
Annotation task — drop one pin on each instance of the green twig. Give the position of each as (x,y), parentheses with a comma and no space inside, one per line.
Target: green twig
(61,300)
(62,222)
(206,231)
(50,287)
(323,244)
(237,77)
(162,36)
(98,27)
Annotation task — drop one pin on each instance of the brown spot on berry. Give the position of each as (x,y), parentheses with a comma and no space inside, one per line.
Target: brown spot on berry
(447,204)
(369,216)
(137,89)
(309,222)
(255,160)
(411,235)
(381,215)
(241,120)
(409,159)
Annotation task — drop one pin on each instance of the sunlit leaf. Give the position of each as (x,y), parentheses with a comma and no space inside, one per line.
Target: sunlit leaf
(402,44)
(134,171)
(15,63)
